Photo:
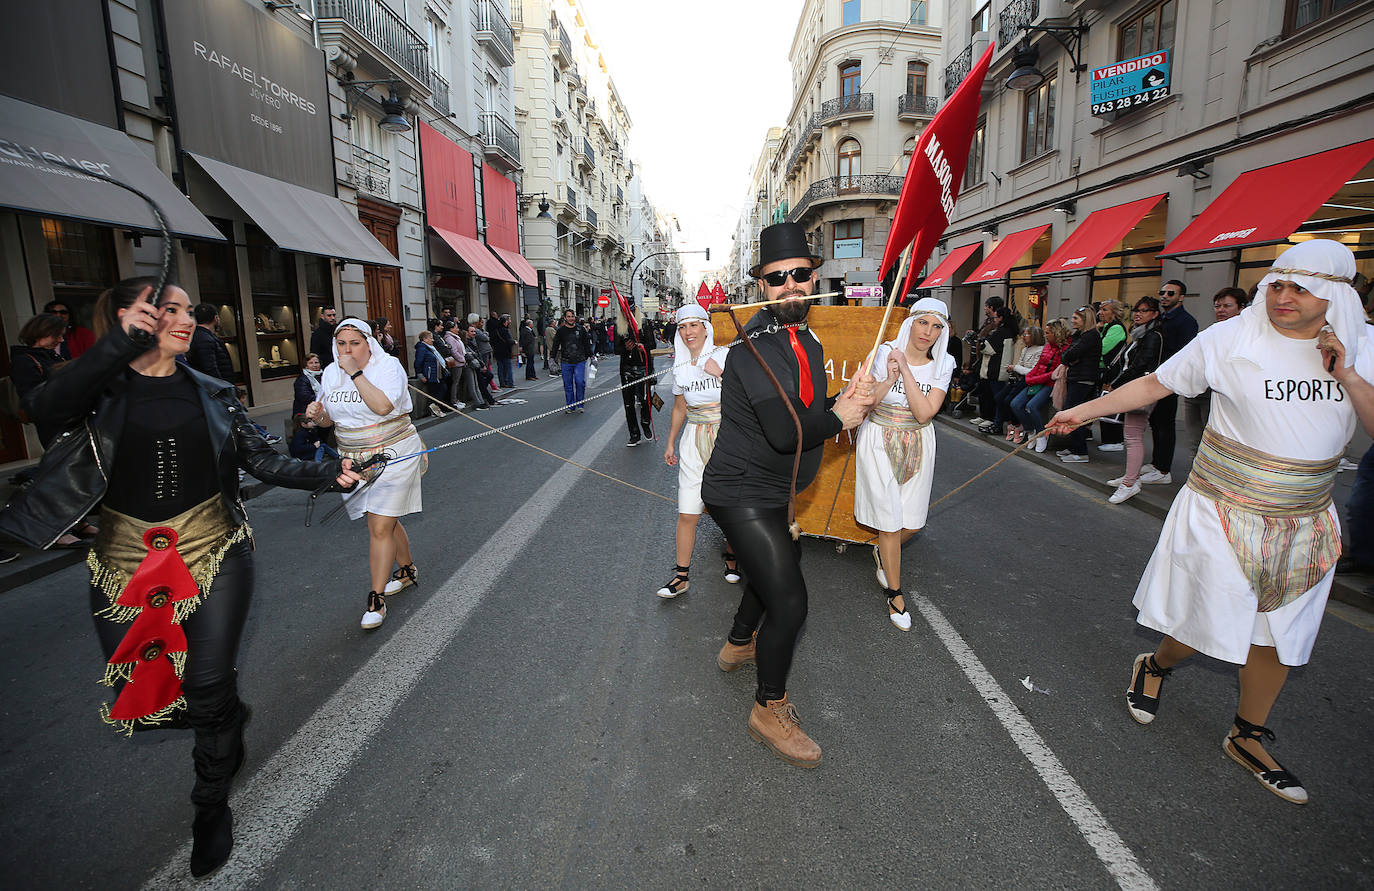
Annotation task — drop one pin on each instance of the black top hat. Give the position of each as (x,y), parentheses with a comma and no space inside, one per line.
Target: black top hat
(783,241)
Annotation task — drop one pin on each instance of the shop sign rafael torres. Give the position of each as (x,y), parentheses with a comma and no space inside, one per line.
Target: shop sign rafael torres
(1130,84)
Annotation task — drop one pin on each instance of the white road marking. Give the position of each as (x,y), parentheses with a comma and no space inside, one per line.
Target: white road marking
(273,802)
(1108,846)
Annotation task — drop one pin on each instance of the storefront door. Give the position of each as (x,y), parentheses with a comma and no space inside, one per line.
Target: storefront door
(383,283)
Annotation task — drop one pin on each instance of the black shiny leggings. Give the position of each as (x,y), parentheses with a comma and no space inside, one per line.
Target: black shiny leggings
(771,562)
(213,709)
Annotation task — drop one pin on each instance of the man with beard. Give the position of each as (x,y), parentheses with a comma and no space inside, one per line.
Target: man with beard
(747,480)
(322,338)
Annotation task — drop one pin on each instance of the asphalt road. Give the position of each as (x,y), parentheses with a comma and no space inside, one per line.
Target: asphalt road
(532,716)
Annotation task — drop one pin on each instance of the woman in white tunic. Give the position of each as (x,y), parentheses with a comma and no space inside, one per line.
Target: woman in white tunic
(365,396)
(895,451)
(1244,562)
(696,415)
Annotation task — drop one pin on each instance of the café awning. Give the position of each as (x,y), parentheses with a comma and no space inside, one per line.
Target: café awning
(949,265)
(475,254)
(37,143)
(518,264)
(297,218)
(1266,205)
(1096,235)
(1003,257)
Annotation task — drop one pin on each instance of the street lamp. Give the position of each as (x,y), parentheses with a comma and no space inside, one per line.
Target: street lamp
(393,109)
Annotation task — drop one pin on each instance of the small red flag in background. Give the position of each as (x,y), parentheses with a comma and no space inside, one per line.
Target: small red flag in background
(933,179)
(718,293)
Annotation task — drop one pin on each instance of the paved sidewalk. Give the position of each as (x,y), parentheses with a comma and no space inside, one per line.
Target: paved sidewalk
(34,564)
(1153,499)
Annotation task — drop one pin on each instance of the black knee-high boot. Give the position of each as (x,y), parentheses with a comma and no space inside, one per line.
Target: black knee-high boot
(217,715)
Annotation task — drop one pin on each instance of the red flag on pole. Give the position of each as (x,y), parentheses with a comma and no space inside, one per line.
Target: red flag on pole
(718,293)
(935,174)
(704,296)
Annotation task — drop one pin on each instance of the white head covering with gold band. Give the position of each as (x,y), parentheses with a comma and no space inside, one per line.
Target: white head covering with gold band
(939,351)
(1324,267)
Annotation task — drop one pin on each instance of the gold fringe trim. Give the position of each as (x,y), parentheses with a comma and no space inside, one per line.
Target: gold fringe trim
(159,717)
(113,581)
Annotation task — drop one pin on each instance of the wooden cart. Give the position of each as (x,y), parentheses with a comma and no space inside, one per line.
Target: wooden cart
(825,509)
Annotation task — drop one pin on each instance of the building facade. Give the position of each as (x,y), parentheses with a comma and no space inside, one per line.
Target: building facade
(283,143)
(1110,128)
(862,93)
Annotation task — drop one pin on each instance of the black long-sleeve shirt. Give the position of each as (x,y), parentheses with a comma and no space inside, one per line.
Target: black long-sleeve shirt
(751,463)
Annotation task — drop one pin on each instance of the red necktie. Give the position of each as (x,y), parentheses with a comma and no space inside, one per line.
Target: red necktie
(803,369)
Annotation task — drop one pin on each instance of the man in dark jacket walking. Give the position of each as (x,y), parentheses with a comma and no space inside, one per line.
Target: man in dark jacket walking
(636,362)
(322,338)
(572,346)
(502,349)
(529,348)
(1179,328)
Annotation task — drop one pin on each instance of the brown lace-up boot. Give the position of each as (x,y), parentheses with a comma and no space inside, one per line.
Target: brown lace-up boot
(778,726)
(734,656)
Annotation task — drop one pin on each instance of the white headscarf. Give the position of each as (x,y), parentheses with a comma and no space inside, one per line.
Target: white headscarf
(1326,269)
(694,313)
(944,362)
(384,370)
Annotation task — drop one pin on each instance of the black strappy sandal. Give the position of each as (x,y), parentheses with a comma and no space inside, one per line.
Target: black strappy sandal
(731,571)
(900,618)
(402,578)
(1141,706)
(677,585)
(1279,781)
(376,606)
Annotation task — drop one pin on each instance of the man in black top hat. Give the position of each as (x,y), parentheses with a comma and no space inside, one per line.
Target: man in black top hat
(748,478)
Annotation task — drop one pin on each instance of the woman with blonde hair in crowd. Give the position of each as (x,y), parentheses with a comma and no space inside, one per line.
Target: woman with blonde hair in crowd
(1112,321)
(1082,367)
(365,397)
(1032,344)
(895,449)
(1028,405)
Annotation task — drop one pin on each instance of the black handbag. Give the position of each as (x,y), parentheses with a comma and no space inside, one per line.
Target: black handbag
(69,470)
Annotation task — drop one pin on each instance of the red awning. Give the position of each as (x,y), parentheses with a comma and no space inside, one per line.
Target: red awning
(1096,235)
(949,265)
(998,263)
(518,264)
(475,254)
(1267,205)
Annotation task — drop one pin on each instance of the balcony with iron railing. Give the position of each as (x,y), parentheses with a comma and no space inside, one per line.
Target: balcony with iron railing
(494,31)
(562,46)
(371,173)
(438,86)
(500,140)
(589,151)
(956,71)
(909,106)
(592,217)
(566,196)
(843,108)
(517,14)
(806,136)
(619,195)
(835,188)
(370,27)
(1011,19)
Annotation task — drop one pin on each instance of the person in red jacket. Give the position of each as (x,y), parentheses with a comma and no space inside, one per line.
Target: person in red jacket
(1030,402)
(78,338)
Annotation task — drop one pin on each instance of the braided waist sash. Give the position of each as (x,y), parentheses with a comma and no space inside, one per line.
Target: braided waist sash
(903,441)
(1275,512)
(706,423)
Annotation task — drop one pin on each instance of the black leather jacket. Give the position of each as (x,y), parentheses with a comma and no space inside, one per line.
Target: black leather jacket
(86,401)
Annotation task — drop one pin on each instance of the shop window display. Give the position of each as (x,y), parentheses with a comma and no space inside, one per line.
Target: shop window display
(272,273)
(319,288)
(82,263)
(216,274)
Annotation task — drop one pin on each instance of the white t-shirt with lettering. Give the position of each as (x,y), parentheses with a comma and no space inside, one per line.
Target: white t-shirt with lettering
(923,374)
(1291,407)
(694,384)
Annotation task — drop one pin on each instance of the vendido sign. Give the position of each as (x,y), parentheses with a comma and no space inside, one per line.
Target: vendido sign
(1130,84)
(250,91)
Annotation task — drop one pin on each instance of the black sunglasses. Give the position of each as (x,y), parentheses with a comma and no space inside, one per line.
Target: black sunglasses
(779,278)
(1167,293)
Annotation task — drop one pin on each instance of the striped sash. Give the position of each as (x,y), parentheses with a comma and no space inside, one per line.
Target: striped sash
(1275,512)
(361,443)
(902,438)
(706,419)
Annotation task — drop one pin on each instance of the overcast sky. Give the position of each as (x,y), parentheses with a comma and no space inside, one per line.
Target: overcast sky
(702,82)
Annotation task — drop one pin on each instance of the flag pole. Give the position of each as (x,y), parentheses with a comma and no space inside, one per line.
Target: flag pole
(897,285)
